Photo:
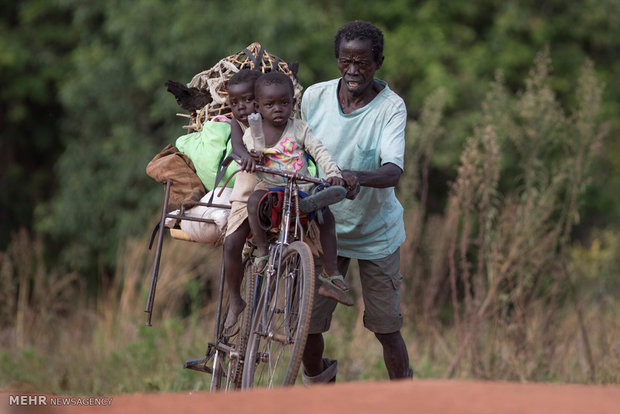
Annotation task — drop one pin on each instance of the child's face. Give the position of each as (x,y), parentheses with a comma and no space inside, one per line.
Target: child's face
(275,103)
(241,100)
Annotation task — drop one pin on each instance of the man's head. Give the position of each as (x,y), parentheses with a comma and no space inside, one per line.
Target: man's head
(359,48)
(361,30)
(275,97)
(241,93)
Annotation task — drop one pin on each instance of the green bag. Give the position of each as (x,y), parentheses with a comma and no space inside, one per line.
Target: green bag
(207,149)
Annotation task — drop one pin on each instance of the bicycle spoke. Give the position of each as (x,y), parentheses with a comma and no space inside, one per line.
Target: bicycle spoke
(280,330)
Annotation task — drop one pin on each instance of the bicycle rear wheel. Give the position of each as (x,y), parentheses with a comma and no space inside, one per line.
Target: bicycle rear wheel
(230,351)
(280,328)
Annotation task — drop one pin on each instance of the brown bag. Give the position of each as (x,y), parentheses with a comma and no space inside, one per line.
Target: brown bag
(171,164)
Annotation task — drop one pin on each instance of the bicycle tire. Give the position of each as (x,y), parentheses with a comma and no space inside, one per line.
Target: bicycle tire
(228,369)
(249,285)
(281,322)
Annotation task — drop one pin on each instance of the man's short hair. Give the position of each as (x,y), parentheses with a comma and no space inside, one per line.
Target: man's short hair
(360,30)
(243,76)
(273,78)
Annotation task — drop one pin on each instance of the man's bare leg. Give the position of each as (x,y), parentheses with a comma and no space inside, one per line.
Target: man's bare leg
(395,355)
(313,354)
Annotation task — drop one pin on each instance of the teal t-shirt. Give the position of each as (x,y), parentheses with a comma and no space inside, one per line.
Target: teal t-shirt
(371,226)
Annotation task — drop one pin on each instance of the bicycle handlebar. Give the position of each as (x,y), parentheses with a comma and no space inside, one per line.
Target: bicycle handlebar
(283,173)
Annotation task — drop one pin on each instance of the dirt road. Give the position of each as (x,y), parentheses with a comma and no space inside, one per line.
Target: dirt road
(417,396)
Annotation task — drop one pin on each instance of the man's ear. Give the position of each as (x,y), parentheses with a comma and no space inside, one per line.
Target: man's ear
(294,102)
(380,61)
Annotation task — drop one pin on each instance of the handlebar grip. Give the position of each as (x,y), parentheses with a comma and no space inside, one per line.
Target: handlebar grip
(267,170)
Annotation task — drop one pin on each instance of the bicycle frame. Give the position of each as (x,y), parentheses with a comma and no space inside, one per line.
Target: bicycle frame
(291,194)
(281,320)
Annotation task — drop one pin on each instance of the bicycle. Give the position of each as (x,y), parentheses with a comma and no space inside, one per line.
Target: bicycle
(267,349)
(281,318)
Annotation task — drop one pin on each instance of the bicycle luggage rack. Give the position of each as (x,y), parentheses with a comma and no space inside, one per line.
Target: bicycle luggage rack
(196,364)
(160,241)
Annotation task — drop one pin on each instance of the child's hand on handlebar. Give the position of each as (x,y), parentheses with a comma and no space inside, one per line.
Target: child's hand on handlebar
(250,159)
(247,163)
(258,157)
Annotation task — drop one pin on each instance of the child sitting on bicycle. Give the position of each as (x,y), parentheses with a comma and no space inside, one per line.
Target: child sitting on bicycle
(241,101)
(287,140)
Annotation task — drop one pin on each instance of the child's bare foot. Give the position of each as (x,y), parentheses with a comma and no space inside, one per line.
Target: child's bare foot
(234,310)
(334,287)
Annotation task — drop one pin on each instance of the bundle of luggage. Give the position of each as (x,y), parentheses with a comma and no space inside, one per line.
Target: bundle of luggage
(192,164)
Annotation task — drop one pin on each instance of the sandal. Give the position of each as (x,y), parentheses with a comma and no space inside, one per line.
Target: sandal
(342,285)
(260,263)
(330,290)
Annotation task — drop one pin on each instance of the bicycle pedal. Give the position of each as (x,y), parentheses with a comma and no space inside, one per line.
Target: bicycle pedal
(198,364)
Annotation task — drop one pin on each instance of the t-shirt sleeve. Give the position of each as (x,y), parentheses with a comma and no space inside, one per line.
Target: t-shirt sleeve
(393,139)
(305,102)
(318,151)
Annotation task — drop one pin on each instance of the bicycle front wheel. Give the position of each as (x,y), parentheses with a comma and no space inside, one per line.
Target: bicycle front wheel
(280,328)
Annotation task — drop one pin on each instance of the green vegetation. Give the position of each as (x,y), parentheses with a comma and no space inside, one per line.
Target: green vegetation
(510,188)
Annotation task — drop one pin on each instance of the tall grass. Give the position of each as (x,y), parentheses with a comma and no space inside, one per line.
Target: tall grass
(495,286)
(501,275)
(56,339)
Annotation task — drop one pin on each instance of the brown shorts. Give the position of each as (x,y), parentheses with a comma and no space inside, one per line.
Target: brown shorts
(381,281)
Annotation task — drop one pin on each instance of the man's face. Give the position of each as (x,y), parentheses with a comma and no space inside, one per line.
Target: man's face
(357,65)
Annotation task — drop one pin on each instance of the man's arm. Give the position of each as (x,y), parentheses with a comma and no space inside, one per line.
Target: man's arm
(383,177)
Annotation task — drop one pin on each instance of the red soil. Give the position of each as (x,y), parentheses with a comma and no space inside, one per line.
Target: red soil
(400,397)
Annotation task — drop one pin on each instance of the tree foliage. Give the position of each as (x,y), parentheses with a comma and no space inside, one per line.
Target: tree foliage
(84,107)
(35,37)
